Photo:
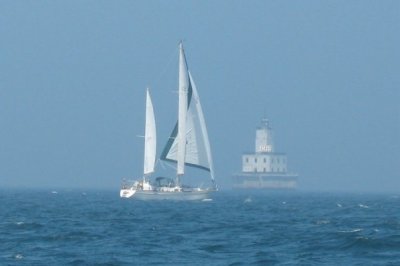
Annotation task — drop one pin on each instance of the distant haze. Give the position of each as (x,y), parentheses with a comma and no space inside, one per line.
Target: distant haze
(73,76)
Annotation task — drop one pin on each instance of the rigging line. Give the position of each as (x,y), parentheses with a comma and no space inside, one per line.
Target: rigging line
(166,67)
(166,165)
(157,162)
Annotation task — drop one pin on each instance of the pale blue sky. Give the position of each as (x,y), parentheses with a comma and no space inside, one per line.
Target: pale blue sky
(73,76)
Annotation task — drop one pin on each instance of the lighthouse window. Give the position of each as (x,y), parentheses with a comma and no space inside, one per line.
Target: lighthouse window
(255,160)
(265,160)
(247,159)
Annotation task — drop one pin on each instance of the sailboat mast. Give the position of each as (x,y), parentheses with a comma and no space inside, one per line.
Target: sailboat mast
(188,144)
(182,110)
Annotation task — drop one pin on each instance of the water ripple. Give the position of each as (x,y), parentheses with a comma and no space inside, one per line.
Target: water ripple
(97,228)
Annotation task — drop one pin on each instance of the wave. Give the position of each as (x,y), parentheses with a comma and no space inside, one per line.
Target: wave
(100,229)
(18,256)
(24,225)
(351,231)
(319,222)
(247,200)
(390,243)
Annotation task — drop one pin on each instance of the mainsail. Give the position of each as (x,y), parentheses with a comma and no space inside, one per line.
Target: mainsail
(149,137)
(189,143)
(183,103)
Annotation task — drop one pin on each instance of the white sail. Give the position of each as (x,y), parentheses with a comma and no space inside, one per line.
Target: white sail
(183,103)
(204,158)
(150,139)
(197,152)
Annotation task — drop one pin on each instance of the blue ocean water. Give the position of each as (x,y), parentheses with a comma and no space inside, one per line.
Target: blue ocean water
(39,227)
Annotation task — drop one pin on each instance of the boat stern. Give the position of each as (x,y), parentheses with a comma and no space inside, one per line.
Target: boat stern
(127,192)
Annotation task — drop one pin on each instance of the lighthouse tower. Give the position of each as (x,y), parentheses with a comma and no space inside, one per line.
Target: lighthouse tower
(264,142)
(264,168)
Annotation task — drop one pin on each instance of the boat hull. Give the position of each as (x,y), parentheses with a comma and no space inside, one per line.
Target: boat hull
(127,193)
(164,195)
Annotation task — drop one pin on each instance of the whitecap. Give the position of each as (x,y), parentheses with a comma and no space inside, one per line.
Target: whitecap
(363,206)
(248,200)
(323,222)
(352,231)
(207,200)
(18,257)
(339,205)
(19,223)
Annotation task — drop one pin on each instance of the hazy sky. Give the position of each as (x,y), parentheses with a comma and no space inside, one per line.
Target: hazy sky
(73,76)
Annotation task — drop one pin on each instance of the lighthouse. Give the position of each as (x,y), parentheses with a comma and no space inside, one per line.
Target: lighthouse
(264,137)
(264,168)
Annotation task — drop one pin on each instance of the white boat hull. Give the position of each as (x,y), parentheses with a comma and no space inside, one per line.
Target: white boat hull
(165,195)
(127,193)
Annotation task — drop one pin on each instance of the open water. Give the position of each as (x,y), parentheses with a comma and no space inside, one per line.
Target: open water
(99,228)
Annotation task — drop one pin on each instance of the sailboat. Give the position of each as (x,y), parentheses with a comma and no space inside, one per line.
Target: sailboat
(188,146)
